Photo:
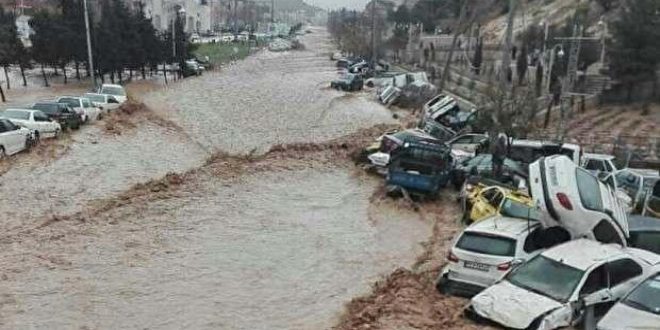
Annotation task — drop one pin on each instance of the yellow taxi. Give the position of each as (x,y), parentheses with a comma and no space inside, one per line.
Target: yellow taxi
(484,201)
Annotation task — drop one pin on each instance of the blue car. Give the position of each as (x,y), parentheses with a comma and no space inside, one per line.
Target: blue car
(420,168)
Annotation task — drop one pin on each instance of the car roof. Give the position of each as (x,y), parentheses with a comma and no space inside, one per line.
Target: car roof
(20,109)
(642,223)
(531,143)
(583,253)
(598,156)
(646,173)
(503,226)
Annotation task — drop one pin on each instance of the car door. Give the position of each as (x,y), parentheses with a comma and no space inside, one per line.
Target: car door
(44,124)
(595,292)
(15,140)
(623,274)
(463,143)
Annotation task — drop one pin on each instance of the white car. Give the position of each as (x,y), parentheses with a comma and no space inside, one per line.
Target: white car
(486,251)
(529,151)
(105,102)
(639,309)
(570,197)
(553,289)
(115,90)
(34,120)
(599,163)
(13,138)
(82,106)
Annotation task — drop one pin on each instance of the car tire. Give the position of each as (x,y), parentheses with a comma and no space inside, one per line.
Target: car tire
(37,138)
(58,133)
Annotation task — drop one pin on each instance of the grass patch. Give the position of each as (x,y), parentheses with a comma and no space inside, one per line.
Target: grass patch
(220,53)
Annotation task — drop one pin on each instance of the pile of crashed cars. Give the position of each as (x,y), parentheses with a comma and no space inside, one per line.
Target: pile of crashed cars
(406,89)
(555,237)
(23,127)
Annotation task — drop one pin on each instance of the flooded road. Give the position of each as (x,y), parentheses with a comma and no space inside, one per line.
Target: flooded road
(267,99)
(275,250)
(284,246)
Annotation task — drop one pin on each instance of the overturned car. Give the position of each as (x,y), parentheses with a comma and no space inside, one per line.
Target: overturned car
(570,197)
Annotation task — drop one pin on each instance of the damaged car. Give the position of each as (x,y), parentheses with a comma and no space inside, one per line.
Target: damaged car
(419,168)
(446,111)
(639,309)
(570,197)
(487,250)
(486,201)
(348,82)
(554,289)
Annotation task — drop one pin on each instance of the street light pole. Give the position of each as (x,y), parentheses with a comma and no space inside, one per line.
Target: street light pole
(89,44)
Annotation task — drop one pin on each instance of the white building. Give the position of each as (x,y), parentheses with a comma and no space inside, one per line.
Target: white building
(162,13)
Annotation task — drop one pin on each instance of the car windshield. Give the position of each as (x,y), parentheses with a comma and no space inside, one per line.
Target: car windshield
(646,296)
(113,90)
(546,277)
(13,114)
(589,190)
(96,98)
(628,181)
(516,209)
(72,102)
(487,244)
(646,240)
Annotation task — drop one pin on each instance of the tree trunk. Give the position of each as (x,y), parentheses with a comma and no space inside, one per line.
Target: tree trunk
(112,76)
(7,77)
(64,73)
(119,75)
(23,75)
(130,74)
(43,73)
(546,122)
(165,73)
(2,95)
(144,74)
(56,73)
(77,70)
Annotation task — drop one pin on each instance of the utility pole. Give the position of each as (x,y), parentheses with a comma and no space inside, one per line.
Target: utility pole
(374,52)
(506,53)
(569,83)
(445,71)
(89,45)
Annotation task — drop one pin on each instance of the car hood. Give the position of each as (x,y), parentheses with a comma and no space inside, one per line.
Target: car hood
(512,306)
(624,317)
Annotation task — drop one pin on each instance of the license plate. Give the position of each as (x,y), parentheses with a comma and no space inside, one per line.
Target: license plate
(477,266)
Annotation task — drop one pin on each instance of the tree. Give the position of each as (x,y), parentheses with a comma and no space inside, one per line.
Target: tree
(635,51)
(8,43)
(522,65)
(478,56)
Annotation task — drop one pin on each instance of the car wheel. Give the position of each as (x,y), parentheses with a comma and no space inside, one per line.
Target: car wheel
(58,133)
(37,138)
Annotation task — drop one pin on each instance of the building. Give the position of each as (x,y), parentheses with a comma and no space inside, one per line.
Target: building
(162,13)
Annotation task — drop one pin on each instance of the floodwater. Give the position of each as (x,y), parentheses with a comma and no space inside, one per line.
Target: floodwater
(267,99)
(278,249)
(275,250)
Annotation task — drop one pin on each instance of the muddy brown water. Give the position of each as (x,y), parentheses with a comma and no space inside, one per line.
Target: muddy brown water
(280,249)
